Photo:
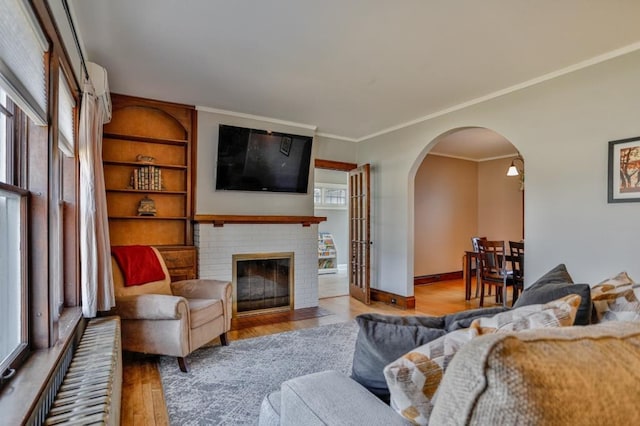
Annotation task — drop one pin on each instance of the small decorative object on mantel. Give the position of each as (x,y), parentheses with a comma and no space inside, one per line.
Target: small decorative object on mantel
(147,207)
(145,159)
(624,170)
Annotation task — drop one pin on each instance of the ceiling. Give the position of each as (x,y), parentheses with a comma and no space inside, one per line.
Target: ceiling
(353,68)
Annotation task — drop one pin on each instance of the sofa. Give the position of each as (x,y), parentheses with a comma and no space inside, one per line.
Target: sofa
(519,367)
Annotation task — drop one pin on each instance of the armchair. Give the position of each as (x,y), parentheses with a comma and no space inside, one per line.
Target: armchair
(174,319)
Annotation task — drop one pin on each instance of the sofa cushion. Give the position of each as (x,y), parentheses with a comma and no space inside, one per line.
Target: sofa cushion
(382,339)
(616,299)
(544,293)
(331,398)
(204,310)
(414,378)
(546,376)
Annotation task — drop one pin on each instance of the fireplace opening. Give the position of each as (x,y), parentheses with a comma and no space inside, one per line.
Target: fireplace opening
(262,283)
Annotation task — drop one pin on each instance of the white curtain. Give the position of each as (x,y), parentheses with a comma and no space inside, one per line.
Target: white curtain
(95,257)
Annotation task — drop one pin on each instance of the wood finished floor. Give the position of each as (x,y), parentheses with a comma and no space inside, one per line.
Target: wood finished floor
(142,396)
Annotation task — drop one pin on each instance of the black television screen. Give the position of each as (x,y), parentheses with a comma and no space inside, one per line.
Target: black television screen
(257,160)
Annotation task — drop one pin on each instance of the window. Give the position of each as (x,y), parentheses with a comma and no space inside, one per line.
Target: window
(13,225)
(66,105)
(330,196)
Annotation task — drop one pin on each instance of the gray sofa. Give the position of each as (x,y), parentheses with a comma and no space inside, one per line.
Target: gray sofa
(571,375)
(584,374)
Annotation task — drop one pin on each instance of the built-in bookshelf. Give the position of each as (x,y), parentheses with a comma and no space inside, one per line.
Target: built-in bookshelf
(148,150)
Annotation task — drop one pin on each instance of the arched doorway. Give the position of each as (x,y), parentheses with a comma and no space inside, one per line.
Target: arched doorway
(461,190)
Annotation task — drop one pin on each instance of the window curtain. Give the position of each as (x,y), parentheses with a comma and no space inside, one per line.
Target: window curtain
(95,257)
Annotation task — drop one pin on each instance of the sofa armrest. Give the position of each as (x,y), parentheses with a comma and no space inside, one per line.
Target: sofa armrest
(152,307)
(207,289)
(331,398)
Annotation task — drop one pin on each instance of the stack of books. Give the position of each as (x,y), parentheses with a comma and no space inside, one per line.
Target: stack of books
(147,178)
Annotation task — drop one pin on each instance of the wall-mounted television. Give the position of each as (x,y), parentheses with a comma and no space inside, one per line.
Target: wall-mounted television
(259,160)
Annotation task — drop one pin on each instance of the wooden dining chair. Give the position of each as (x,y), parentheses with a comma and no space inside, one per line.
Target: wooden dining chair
(476,248)
(516,251)
(492,269)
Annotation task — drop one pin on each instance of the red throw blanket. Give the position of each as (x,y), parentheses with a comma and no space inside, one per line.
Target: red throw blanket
(139,264)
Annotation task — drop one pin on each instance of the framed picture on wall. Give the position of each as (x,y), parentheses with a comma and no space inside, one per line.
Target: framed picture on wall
(624,171)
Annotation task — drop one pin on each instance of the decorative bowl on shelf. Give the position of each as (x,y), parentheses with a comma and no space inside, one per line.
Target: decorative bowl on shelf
(147,159)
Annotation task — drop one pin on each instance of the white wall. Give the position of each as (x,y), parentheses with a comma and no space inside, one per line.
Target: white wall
(562,128)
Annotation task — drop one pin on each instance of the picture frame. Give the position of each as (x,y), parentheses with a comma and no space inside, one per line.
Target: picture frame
(285,145)
(624,171)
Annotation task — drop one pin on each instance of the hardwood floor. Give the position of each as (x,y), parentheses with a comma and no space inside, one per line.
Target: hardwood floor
(143,399)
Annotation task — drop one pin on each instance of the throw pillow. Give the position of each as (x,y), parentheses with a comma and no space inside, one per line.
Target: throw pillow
(618,280)
(464,319)
(616,299)
(382,339)
(559,274)
(557,313)
(413,379)
(545,293)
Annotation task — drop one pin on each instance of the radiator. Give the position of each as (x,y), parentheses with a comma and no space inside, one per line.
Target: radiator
(90,391)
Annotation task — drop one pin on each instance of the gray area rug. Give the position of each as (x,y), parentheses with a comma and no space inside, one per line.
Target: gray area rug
(226,384)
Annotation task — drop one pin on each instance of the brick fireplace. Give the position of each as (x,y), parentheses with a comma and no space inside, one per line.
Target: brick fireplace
(217,246)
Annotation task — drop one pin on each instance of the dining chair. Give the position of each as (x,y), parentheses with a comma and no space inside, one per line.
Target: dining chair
(516,251)
(493,272)
(476,248)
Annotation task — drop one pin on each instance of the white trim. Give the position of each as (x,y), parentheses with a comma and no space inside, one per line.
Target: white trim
(575,67)
(342,138)
(499,157)
(256,117)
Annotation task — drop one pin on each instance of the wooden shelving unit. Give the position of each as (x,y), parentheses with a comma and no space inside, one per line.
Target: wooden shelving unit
(164,135)
(327,254)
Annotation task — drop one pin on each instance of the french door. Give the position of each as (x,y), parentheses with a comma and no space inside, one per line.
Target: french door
(360,234)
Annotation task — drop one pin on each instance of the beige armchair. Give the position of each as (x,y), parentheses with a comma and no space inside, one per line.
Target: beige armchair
(172,319)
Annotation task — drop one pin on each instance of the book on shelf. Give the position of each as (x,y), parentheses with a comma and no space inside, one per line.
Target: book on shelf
(147,178)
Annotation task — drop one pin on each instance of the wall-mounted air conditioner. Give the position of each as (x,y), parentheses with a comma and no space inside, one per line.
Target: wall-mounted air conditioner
(98,76)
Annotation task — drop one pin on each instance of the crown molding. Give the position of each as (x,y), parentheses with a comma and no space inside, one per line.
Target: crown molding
(256,117)
(475,160)
(342,138)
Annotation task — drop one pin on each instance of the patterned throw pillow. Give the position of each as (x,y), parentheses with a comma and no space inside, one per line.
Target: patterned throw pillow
(413,379)
(617,299)
(558,313)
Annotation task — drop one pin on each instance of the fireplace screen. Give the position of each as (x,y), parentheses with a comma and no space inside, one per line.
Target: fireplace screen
(262,283)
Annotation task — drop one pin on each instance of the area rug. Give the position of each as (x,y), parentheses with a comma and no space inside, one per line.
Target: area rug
(226,384)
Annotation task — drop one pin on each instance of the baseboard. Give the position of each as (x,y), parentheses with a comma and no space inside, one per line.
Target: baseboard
(430,279)
(402,302)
